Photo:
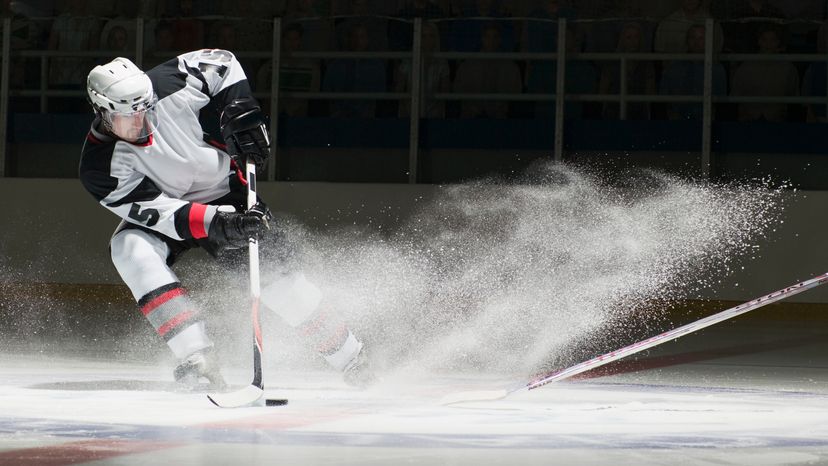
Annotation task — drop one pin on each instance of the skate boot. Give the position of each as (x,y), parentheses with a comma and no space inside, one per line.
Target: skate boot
(359,372)
(197,365)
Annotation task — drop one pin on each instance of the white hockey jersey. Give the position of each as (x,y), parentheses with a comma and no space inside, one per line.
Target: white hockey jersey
(167,182)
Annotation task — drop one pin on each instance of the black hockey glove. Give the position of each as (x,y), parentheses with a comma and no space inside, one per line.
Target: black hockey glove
(245,133)
(233,230)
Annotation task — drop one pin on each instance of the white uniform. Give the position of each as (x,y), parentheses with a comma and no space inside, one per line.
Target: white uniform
(167,189)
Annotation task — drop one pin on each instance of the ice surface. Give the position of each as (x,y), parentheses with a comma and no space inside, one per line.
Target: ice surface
(769,406)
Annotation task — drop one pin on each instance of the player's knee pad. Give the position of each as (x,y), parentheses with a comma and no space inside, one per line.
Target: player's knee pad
(293,297)
(141,260)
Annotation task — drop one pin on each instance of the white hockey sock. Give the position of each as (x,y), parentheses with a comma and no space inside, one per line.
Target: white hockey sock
(191,339)
(298,302)
(342,357)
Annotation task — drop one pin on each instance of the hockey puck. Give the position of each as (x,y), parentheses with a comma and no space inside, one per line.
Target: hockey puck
(276,402)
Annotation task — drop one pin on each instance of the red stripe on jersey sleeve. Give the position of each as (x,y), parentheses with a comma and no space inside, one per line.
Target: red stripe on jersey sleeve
(197,228)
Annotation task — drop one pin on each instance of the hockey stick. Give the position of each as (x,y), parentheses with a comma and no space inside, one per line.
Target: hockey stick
(637,347)
(252,393)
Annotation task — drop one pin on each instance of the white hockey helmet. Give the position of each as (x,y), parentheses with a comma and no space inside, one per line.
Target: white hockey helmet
(122,94)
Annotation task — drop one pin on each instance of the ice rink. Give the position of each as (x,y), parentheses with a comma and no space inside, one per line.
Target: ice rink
(483,288)
(753,390)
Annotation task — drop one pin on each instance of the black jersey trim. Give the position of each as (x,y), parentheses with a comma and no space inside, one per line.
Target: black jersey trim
(95,163)
(146,190)
(196,73)
(167,78)
(181,220)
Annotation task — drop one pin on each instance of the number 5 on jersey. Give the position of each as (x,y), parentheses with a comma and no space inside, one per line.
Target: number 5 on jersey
(148,217)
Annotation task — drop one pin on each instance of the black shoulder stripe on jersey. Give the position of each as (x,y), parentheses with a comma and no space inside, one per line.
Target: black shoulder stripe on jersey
(196,72)
(167,79)
(146,190)
(93,170)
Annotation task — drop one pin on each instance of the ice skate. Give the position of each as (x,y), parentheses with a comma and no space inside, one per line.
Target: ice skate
(197,365)
(359,372)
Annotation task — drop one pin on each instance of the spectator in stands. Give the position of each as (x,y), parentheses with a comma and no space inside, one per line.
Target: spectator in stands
(741,36)
(318,30)
(604,35)
(253,21)
(188,29)
(117,40)
(125,13)
(581,78)
(815,79)
(640,76)
(355,75)
(22,73)
(766,78)
(376,27)
(163,43)
(435,77)
(296,74)
(26,34)
(481,76)
(465,34)
(542,36)
(683,77)
(224,35)
(671,32)
(72,31)
(401,33)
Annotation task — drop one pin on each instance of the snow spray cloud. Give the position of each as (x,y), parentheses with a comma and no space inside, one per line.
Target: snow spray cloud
(495,276)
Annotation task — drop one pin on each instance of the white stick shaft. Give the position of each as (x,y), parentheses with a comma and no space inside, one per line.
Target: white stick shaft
(252,393)
(675,333)
(255,288)
(254,244)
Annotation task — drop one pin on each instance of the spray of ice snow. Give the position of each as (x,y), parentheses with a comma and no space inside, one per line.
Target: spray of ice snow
(503,277)
(488,276)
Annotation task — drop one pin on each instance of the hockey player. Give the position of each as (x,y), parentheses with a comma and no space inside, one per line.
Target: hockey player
(165,153)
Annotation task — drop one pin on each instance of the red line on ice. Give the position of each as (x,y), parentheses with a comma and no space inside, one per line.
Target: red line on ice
(82,451)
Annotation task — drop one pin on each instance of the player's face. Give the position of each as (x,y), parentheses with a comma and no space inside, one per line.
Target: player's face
(129,127)
(133,126)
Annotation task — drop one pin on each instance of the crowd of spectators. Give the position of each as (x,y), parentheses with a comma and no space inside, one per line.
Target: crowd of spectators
(488,26)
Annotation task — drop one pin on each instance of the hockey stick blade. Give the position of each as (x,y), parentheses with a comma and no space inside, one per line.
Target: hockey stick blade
(247,396)
(670,335)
